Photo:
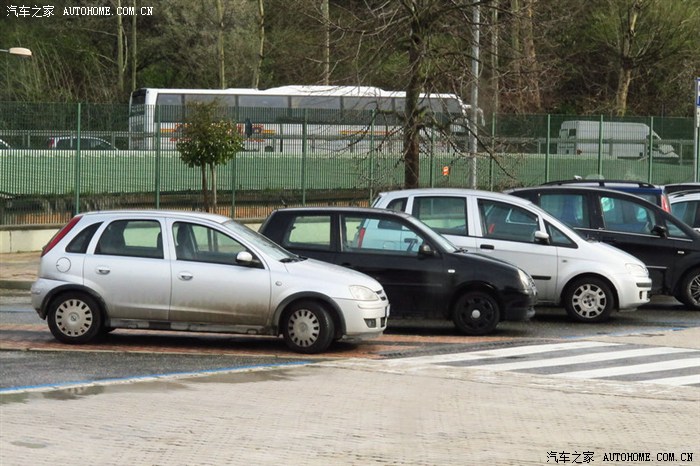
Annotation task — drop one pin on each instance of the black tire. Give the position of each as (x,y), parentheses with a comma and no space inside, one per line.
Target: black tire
(476,313)
(307,327)
(689,293)
(588,299)
(74,318)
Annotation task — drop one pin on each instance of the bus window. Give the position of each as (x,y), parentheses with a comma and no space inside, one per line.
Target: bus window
(263,101)
(324,102)
(221,100)
(366,103)
(169,99)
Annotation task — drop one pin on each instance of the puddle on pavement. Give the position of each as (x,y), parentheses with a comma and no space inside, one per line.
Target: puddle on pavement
(149,386)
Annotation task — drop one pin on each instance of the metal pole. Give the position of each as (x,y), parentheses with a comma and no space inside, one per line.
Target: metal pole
(546,156)
(371,157)
(651,149)
(696,135)
(77,167)
(474,97)
(157,180)
(600,146)
(304,134)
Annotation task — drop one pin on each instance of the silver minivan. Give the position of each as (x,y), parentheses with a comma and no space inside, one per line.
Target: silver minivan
(589,279)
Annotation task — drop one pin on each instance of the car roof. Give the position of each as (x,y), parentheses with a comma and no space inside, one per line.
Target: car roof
(185,215)
(603,183)
(677,187)
(454,192)
(569,188)
(358,210)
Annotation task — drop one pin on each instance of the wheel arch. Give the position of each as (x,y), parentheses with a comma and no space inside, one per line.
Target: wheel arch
(473,286)
(603,278)
(330,305)
(67,288)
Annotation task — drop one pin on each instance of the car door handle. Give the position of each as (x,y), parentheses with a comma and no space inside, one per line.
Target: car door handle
(102,270)
(487,246)
(186,276)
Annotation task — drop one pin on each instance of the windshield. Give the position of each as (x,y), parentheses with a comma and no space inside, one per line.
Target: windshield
(271,249)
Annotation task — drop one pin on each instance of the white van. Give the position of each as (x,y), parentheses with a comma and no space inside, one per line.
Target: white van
(620,139)
(588,279)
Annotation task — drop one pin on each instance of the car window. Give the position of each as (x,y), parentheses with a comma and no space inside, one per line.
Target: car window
(446,215)
(398,205)
(310,232)
(627,216)
(80,243)
(558,237)
(63,144)
(137,238)
(371,235)
(571,209)
(203,244)
(507,222)
(688,212)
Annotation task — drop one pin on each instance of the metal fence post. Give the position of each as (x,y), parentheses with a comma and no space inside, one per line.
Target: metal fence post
(77,167)
(233,186)
(157,167)
(546,155)
(304,135)
(651,149)
(371,156)
(600,146)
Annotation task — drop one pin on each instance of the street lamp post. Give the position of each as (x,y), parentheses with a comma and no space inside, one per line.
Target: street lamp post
(19,51)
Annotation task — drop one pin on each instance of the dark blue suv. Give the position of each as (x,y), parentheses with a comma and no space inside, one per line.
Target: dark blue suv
(650,192)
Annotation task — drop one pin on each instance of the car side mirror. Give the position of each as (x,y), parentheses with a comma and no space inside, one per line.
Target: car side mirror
(425,250)
(541,237)
(244,258)
(660,231)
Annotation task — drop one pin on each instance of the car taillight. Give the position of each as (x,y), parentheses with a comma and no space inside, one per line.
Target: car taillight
(60,234)
(665,204)
(361,236)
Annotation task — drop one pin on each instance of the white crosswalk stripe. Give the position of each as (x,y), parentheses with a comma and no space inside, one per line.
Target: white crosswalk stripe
(580,360)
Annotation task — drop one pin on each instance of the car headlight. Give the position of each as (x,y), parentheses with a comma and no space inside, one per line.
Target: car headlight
(362,293)
(637,270)
(526,280)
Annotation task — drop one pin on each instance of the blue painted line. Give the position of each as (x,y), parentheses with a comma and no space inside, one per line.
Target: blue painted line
(151,377)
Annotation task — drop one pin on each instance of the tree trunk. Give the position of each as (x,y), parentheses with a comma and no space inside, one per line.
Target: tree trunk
(121,61)
(411,139)
(261,45)
(531,68)
(134,62)
(205,189)
(220,44)
(327,44)
(213,186)
(626,60)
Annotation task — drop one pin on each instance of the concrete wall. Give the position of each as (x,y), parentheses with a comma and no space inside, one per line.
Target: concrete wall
(30,238)
(25,238)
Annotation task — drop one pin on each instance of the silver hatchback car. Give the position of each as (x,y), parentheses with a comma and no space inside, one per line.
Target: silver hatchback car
(197,272)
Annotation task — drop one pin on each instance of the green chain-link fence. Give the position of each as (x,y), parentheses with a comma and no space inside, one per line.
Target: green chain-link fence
(60,159)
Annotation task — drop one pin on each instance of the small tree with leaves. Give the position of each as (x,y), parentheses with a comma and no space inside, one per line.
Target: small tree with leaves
(208,139)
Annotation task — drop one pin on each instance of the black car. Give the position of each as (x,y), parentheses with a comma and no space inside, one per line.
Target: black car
(423,274)
(669,248)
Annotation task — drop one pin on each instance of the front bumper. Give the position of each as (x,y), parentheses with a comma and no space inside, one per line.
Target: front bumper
(633,292)
(363,319)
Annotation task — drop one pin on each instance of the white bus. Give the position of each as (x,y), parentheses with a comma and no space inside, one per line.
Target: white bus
(283,119)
